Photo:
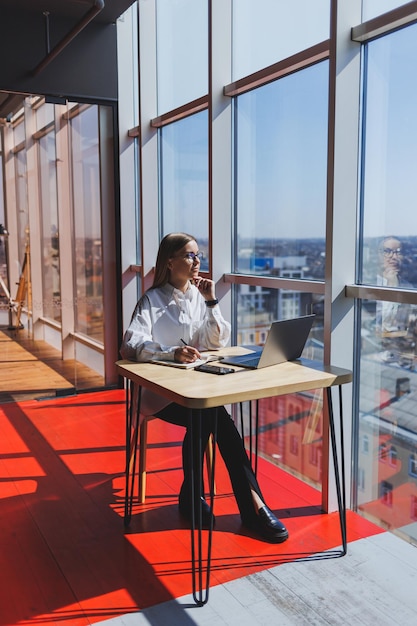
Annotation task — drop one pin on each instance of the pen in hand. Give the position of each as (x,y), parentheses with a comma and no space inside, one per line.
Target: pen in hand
(191,352)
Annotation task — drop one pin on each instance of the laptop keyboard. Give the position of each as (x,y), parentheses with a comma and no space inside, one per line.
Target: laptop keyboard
(250,362)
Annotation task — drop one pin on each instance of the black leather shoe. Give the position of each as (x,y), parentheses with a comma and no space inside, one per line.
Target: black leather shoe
(267,526)
(185,510)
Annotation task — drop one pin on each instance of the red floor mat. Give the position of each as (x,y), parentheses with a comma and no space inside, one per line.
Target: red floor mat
(65,556)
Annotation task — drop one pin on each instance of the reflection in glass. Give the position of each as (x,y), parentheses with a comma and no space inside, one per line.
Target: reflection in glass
(387,422)
(281,169)
(258,306)
(290,28)
(388,355)
(50,233)
(291,426)
(87,223)
(184,178)
(390,156)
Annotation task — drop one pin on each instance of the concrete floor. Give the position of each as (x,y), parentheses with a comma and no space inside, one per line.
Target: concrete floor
(375,583)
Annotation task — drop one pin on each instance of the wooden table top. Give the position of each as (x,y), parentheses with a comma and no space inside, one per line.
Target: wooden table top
(199,390)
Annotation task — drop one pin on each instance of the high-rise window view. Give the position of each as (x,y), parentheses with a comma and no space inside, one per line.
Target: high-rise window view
(281,171)
(386,446)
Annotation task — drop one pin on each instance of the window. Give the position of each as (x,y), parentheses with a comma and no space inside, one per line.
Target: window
(386,493)
(412,465)
(184,179)
(365,444)
(314,454)
(267,31)
(281,173)
(393,456)
(87,223)
(21,194)
(390,158)
(413,508)
(387,251)
(361,479)
(51,284)
(182,44)
(256,310)
(383,452)
(294,445)
(373,8)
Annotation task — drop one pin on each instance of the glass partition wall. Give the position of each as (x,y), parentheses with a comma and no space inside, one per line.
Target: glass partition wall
(87,242)
(57,158)
(280,145)
(387,378)
(51,274)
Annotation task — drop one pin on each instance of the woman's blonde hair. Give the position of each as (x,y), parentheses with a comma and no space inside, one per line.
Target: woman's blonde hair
(169,246)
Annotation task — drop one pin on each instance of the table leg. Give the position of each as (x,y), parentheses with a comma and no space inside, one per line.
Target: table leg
(132,432)
(200,589)
(339,473)
(256,437)
(242,430)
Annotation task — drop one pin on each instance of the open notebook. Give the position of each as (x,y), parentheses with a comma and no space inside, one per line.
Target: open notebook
(187,366)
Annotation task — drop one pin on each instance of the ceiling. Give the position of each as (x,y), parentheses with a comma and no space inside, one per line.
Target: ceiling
(74,13)
(71,8)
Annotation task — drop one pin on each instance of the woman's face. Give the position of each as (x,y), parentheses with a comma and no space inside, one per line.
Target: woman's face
(184,265)
(391,256)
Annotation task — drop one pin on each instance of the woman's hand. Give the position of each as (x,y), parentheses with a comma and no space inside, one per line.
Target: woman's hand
(186,354)
(206,287)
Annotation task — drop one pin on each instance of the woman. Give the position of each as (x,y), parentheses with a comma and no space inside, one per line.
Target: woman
(175,319)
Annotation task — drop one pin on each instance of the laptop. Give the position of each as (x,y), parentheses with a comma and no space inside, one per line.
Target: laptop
(285,342)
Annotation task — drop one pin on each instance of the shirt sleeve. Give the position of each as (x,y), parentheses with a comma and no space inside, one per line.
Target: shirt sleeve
(214,331)
(138,342)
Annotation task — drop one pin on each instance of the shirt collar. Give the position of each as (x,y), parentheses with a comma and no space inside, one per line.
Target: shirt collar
(173,291)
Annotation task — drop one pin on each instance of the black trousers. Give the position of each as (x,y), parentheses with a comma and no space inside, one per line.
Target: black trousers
(231,448)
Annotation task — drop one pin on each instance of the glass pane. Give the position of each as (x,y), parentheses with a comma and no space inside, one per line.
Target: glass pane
(4,282)
(387,450)
(87,223)
(390,161)
(373,8)
(44,115)
(19,133)
(258,306)
(182,52)
(291,426)
(50,232)
(22,205)
(281,166)
(267,31)
(184,178)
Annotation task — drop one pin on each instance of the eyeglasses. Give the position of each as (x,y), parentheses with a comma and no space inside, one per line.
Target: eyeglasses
(392,251)
(192,256)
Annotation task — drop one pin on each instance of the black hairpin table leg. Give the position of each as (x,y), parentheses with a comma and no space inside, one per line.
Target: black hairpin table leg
(198,567)
(132,433)
(339,471)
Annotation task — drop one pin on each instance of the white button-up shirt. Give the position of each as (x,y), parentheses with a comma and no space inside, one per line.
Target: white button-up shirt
(165,317)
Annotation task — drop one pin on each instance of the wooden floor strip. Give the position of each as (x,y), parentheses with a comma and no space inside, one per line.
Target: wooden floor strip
(32,368)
